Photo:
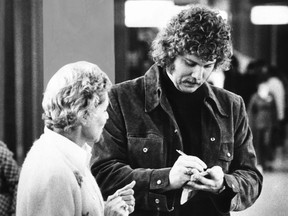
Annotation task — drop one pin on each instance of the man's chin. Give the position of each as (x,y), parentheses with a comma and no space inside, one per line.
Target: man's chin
(97,139)
(189,89)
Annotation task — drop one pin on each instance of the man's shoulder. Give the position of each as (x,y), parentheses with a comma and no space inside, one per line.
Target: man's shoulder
(225,97)
(151,77)
(129,87)
(221,92)
(129,83)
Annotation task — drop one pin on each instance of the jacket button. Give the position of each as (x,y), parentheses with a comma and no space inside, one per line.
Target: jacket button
(159,182)
(157,201)
(145,150)
(228,154)
(212,139)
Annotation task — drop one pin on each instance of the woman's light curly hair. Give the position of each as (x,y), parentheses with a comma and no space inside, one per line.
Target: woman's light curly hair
(199,31)
(72,92)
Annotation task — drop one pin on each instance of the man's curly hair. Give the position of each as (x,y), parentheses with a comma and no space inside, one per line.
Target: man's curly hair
(199,31)
(72,93)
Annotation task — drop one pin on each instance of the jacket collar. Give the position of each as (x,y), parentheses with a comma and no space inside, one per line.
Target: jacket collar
(213,99)
(152,88)
(154,92)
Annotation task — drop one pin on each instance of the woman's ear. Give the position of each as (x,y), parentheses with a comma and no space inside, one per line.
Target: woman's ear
(83,120)
(85,115)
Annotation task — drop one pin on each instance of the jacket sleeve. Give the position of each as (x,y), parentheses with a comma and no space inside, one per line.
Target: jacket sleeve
(243,181)
(111,167)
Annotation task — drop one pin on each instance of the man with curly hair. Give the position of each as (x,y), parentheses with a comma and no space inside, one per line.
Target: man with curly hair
(172,109)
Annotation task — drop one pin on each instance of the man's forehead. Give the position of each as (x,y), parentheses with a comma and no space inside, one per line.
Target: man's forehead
(195,58)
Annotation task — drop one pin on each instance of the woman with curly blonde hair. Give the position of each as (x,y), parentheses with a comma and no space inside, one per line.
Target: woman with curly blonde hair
(55,178)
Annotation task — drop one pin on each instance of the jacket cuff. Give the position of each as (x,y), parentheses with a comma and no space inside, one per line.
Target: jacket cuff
(232,183)
(159,202)
(159,179)
(224,200)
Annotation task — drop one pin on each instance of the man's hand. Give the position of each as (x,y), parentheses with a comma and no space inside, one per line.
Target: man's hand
(211,180)
(182,170)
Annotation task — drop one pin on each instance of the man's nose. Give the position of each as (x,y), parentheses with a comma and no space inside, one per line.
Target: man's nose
(197,72)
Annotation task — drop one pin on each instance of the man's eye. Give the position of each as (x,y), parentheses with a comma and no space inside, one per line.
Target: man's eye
(191,64)
(209,66)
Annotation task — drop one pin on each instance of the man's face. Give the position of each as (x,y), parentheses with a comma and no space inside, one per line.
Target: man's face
(190,72)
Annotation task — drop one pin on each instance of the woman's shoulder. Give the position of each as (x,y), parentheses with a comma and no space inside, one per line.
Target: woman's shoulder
(44,161)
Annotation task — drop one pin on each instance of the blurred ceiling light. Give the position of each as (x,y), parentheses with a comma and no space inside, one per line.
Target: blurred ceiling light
(269,15)
(223,14)
(153,13)
(149,13)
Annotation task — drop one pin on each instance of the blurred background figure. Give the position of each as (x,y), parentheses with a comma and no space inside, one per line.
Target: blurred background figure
(276,84)
(9,174)
(233,77)
(249,81)
(263,119)
(138,60)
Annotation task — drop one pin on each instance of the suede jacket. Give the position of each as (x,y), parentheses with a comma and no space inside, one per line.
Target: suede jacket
(140,141)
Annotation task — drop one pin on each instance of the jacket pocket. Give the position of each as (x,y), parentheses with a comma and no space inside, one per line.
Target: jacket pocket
(146,151)
(226,156)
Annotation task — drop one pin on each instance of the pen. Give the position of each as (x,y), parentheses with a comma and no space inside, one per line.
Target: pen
(183,154)
(180,152)
(190,170)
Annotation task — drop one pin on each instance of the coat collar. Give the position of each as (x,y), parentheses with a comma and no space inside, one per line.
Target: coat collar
(78,156)
(154,92)
(152,86)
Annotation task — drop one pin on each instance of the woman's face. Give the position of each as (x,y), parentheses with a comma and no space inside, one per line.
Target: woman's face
(92,130)
(190,72)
